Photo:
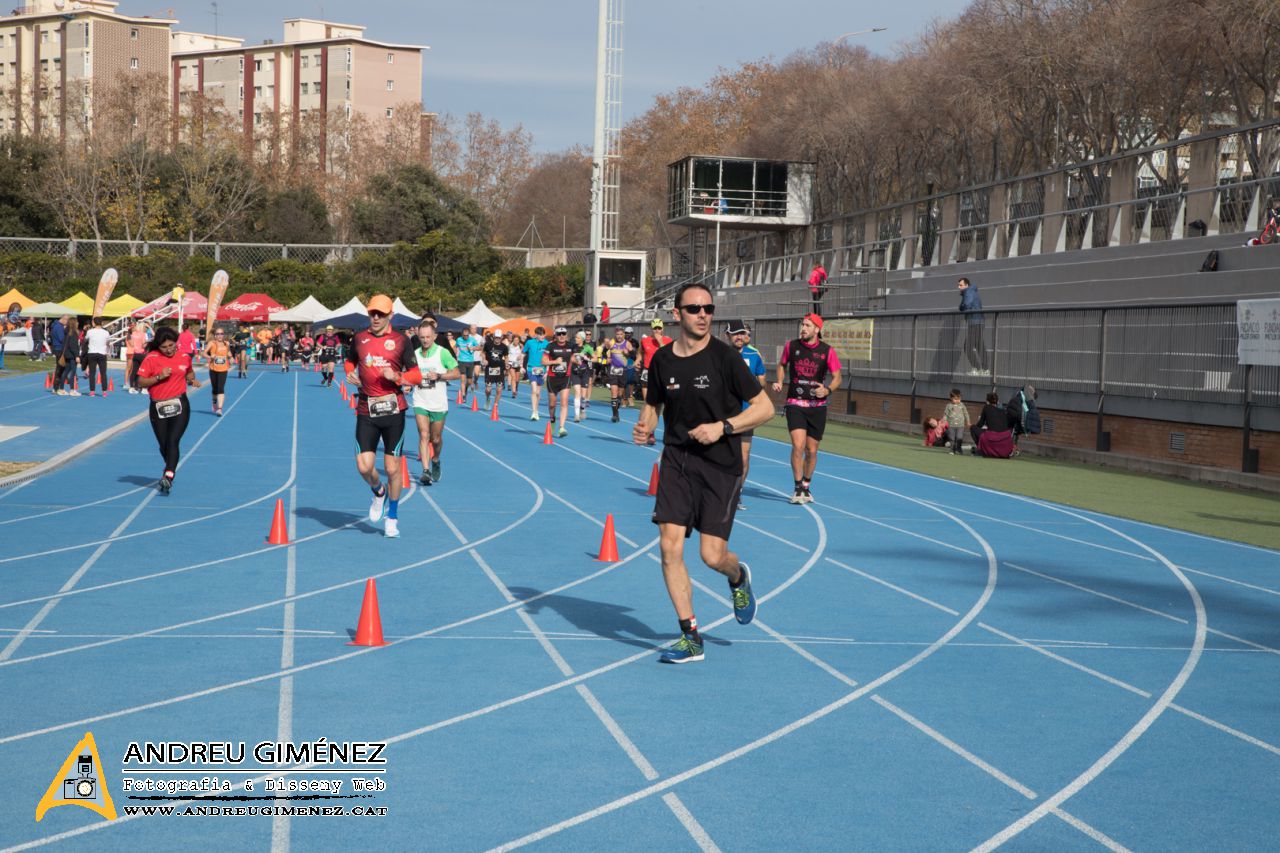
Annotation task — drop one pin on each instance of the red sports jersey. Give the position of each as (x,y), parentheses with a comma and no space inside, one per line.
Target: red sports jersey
(179,367)
(648,346)
(371,353)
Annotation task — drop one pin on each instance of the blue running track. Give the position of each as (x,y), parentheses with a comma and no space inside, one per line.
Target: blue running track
(934,666)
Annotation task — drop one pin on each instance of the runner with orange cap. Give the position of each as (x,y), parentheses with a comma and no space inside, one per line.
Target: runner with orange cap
(376,366)
(812,367)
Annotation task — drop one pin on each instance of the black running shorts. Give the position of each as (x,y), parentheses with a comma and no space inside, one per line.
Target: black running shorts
(557,382)
(813,420)
(388,429)
(696,494)
(494,375)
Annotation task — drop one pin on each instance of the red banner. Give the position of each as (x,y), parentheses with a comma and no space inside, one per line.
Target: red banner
(217,289)
(106,284)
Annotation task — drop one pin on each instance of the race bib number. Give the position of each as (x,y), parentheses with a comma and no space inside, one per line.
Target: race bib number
(219,359)
(494,371)
(536,371)
(170,408)
(559,369)
(383,406)
(617,371)
(644,376)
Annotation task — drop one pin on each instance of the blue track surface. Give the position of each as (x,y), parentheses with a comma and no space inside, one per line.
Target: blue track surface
(933,666)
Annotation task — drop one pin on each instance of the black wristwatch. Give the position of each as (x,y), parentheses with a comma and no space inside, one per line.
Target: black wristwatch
(728,427)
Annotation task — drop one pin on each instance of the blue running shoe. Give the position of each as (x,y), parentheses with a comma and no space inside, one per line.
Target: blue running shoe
(688,649)
(744,601)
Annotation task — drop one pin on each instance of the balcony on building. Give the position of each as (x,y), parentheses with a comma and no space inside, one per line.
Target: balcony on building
(739,192)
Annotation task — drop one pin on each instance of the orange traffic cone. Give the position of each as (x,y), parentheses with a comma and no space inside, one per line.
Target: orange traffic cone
(653,481)
(279,534)
(404,472)
(369,631)
(352,401)
(546,436)
(475,403)
(608,543)
(111,384)
(459,396)
(342,387)
(493,416)
(48,380)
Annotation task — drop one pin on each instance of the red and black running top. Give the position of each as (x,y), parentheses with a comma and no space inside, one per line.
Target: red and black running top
(370,354)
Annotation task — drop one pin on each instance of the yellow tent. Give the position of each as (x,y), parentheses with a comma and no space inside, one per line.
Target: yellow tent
(81,304)
(14,296)
(122,305)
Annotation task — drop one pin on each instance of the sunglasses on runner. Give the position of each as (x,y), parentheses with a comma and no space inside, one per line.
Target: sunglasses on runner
(697,309)
(378,314)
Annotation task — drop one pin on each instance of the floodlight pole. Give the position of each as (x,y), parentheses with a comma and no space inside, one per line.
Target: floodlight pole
(597,146)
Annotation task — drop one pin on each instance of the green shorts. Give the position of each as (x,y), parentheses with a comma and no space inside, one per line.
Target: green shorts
(434,417)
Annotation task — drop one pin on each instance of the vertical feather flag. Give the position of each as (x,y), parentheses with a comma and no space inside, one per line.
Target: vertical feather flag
(106,284)
(217,289)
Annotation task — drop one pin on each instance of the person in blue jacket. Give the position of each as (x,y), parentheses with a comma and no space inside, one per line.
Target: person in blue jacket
(974,345)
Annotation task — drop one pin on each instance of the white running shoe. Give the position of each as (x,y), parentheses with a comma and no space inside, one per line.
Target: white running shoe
(377,508)
(392,530)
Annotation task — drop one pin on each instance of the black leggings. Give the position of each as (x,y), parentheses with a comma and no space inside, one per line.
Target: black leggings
(65,374)
(134,363)
(169,433)
(98,363)
(218,381)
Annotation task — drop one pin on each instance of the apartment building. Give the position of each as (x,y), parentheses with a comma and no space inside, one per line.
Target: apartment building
(52,51)
(318,69)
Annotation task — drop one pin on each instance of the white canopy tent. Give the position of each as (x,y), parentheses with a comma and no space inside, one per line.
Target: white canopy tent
(402,315)
(308,310)
(479,315)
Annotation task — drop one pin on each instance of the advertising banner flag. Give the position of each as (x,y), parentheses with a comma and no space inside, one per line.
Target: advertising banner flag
(106,284)
(217,289)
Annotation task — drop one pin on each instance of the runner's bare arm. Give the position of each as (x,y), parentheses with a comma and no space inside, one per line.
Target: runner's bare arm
(646,423)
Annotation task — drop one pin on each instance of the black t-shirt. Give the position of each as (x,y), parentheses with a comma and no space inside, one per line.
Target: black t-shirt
(564,351)
(495,354)
(706,387)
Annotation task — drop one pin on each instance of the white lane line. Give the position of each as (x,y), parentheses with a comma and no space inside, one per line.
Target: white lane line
(281,825)
(738,522)
(690,823)
(895,529)
(1094,833)
(1139,728)
(588,517)
(778,734)
(116,537)
(1034,501)
(1240,583)
(959,750)
(12,646)
(1028,644)
(893,587)
(628,746)
(124,494)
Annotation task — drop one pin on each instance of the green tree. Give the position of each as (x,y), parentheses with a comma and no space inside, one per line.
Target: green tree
(24,212)
(407,202)
(293,215)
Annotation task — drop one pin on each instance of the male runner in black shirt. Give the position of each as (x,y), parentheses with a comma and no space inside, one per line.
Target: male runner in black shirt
(495,364)
(698,384)
(557,358)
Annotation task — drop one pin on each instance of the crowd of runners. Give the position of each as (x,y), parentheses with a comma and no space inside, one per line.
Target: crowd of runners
(709,391)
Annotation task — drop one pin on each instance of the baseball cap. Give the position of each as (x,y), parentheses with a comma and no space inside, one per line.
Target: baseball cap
(381,302)
(814,319)
(736,327)
(629,329)
(561,330)
(656,323)
(328,328)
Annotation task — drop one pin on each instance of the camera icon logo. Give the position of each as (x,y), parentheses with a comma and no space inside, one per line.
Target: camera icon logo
(79,782)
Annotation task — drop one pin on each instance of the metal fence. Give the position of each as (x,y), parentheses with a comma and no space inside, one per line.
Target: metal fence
(87,255)
(1180,353)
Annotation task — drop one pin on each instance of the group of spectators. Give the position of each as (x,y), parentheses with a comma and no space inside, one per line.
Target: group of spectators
(995,434)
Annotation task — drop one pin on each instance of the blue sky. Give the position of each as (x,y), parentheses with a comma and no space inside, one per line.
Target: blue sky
(533,62)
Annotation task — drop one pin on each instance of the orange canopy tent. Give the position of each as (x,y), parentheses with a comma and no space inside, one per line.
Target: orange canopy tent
(14,296)
(519,325)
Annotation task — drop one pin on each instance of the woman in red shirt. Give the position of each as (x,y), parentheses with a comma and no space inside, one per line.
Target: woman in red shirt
(165,375)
